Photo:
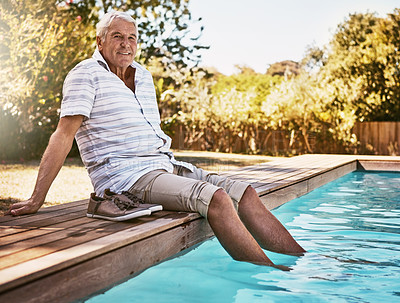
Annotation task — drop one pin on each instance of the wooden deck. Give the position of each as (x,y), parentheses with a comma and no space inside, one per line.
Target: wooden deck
(60,255)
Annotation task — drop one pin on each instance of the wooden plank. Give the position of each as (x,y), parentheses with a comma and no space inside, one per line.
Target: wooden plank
(46,210)
(32,233)
(379,165)
(8,228)
(59,260)
(276,198)
(390,128)
(377,158)
(278,164)
(323,166)
(31,222)
(42,217)
(364,138)
(107,269)
(263,188)
(92,229)
(27,250)
(384,138)
(375,140)
(294,190)
(327,176)
(276,177)
(276,172)
(55,239)
(376,137)
(253,170)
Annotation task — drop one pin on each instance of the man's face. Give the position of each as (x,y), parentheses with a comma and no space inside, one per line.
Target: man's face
(120,44)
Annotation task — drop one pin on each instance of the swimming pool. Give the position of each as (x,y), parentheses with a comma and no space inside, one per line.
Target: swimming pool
(350,227)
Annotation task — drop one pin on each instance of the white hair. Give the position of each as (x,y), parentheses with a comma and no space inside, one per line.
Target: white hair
(105,22)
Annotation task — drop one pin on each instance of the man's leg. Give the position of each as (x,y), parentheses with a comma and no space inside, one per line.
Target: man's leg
(187,194)
(231,232)
(259,221)
(264,226)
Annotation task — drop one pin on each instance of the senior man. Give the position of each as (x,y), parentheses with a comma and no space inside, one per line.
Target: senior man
(109,106)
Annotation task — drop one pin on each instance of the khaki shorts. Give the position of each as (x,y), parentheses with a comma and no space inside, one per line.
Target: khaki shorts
(184,190)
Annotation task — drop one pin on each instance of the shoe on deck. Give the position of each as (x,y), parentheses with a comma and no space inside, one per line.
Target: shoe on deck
(114,209)
(129,197)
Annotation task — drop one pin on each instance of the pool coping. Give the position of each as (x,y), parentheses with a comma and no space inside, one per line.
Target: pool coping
(107,261)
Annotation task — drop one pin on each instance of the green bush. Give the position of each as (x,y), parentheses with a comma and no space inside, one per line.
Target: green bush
(41,42)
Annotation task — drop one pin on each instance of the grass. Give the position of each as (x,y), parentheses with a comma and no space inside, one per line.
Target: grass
(17,180)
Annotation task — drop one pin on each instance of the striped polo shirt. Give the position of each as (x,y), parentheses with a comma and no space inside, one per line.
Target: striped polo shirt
(120,138)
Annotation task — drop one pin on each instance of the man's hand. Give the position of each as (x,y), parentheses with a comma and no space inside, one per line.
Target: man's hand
(23,208)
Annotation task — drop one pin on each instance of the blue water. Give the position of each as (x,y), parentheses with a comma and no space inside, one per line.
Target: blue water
(350,228)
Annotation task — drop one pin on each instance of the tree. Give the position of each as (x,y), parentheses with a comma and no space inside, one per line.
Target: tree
(314,59)
(216,120)
(247,80)
(365,49)
(307,105)
(284,68)
(222,113)
(293,106)
(40,42)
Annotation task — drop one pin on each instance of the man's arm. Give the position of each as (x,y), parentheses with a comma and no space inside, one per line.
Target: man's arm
(60,144)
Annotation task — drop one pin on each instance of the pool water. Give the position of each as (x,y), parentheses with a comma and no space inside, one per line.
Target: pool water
(350,228)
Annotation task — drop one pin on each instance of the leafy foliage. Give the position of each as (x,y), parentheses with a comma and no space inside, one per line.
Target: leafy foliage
(219,114)
(365,49)
(306,108)
(284,68)
(356,77)
(41,42)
